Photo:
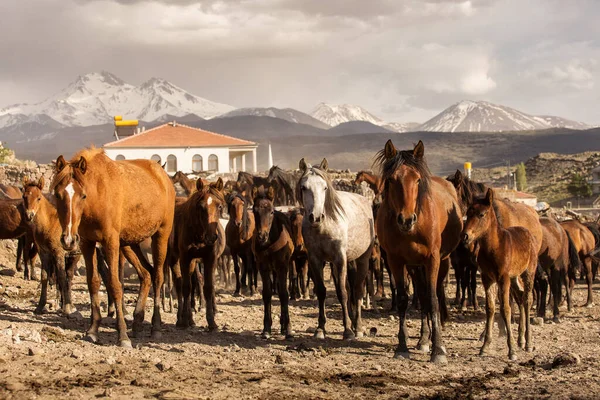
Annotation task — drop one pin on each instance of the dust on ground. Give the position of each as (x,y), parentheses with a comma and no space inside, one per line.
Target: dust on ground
(45,357)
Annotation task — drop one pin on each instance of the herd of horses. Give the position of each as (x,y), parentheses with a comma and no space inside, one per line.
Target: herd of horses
(416,228)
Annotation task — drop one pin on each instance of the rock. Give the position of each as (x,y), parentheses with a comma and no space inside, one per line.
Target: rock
(35,351)
(565,359)
(537,321)
(76,316)
(14,385)
(109,361)
(163,366)
(16,339)
(77,354)
(8,272)
(377,367)
(33,336)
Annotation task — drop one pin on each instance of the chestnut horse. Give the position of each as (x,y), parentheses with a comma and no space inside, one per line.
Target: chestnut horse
(584,242)
(508,257)
(44,217)
(197,234)
(299,261)
(115,203)
(188,185)
(239,232)
(373,181)
(418,224)
(338,227)
(13,225)
(273,247)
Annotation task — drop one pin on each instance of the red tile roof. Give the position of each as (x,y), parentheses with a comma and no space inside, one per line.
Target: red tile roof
(179,135)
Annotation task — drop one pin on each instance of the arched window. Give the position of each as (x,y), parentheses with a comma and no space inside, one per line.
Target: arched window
(213,163)
(120,157)
(156,158)
(172,163)
(197,163)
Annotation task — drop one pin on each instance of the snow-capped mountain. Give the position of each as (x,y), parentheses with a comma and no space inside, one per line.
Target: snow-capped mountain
(288,114)
(333,114)
(97,97)
(481,116)
(401,127)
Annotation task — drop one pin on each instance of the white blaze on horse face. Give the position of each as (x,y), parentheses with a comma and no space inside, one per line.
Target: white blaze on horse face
(70,191)
(209,201)
(314,195)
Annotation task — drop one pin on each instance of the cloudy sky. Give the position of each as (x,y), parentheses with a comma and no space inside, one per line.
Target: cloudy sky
(404,60)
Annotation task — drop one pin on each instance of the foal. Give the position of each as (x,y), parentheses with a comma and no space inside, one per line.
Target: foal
(272,246)
(44,217)
(507,256)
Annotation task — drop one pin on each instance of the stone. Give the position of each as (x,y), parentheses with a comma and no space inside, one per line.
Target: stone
(8,272)
(77,354)
(565,359)
(35,351)
(163,366)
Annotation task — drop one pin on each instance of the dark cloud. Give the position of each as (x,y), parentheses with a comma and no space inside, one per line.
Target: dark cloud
(404,60)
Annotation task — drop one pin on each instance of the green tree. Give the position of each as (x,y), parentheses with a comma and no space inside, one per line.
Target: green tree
(579,186)
(521,177)
(5,154)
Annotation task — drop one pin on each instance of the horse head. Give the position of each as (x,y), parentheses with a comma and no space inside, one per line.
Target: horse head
(32,197)
(209,202)
(264,212)
(360,177)
(272,173)
(406,180)
(70,192)
(479,218)
(316,194)
(236,208)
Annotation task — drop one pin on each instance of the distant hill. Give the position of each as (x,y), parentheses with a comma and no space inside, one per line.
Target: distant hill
(356,127)
(288,114)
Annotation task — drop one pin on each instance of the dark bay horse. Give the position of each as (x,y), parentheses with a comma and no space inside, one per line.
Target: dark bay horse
(373,181)
(188,185)
(13,225)
(239,232)
(286,181)
(508,257)
(114,203)
(273,247)
(337,227)
(197,235)
(55,260)
(584,242)
(418,224)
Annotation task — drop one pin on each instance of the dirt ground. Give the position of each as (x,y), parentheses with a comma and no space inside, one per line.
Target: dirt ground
(44,356)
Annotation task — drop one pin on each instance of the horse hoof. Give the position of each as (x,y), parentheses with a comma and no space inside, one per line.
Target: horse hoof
(423,348)
(265,335)
(289,336)
(213,328)
(402,354)
(320,334)
(349,335)
(126,344)
(483,352)
(589,305)
(360,334)
(39,310)
(529,349)
(156,334)
(91,337)
(439,359)
(512,357)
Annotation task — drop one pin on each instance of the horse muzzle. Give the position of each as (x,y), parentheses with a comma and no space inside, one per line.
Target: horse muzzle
(30,215)
(211,239)
(263,237)
(406,224)
(466,239)
(316,220)
(69,242)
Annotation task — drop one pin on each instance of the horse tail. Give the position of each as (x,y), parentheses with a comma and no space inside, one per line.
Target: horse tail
(596,233)
(574,261)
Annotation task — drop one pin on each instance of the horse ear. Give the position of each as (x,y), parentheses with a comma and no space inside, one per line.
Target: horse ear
(254,191)
(40,183)
(389,150)
(218,184)
(419,150)
(458,176)
(271,193)
(489,196)
(60,163)
(25,181)
(81,164)
(302,165)
(324,165)
(199,185)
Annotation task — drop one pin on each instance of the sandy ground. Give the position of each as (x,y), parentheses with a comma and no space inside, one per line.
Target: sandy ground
(44,356)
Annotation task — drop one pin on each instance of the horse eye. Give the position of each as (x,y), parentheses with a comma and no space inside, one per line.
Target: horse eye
(326,188)
(84,196)
(39,198)
(481,215)
(272,212)
(418,181)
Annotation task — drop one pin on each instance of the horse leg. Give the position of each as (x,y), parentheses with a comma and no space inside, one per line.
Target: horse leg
(199,283)
(20,245)
(432,270)
(505,312)
(339,269)
(316,270)
(458,276)
(236,268)
(304,277)
(144,278)
(362,270)
(111,252)
(185,318)
(61,277)
(588,278)
(122,278)
(284,319)
(252,262)
(210,263)
(420,292)
(70,266)
(542,282)
(103,273)
(160,243)
(394,305)
(490,310)
(244,269)
(267,294)
(441,289)
(88,249)
(473,286)
(46,266)
(564,276)
(555,284)
(400,277)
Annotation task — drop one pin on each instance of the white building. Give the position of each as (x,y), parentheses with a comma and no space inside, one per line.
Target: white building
(187,149)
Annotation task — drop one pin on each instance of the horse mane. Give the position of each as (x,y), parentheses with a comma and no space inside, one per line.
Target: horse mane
(387,167)
(469,188)
(333,204)
(89,154)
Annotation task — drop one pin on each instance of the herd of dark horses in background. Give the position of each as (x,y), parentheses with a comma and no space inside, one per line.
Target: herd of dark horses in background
(417,227)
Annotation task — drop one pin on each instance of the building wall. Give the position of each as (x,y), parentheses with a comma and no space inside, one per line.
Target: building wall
(184,156)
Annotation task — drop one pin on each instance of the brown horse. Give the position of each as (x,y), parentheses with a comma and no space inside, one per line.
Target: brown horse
(239,232)
(44,217)
(554,260)
(188,185)
(115,203)
(273,247)
(584,242)
(418,224)
(373,181)
(9,192)
(197,234)
(13,225)
(299,261)
(508,257)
